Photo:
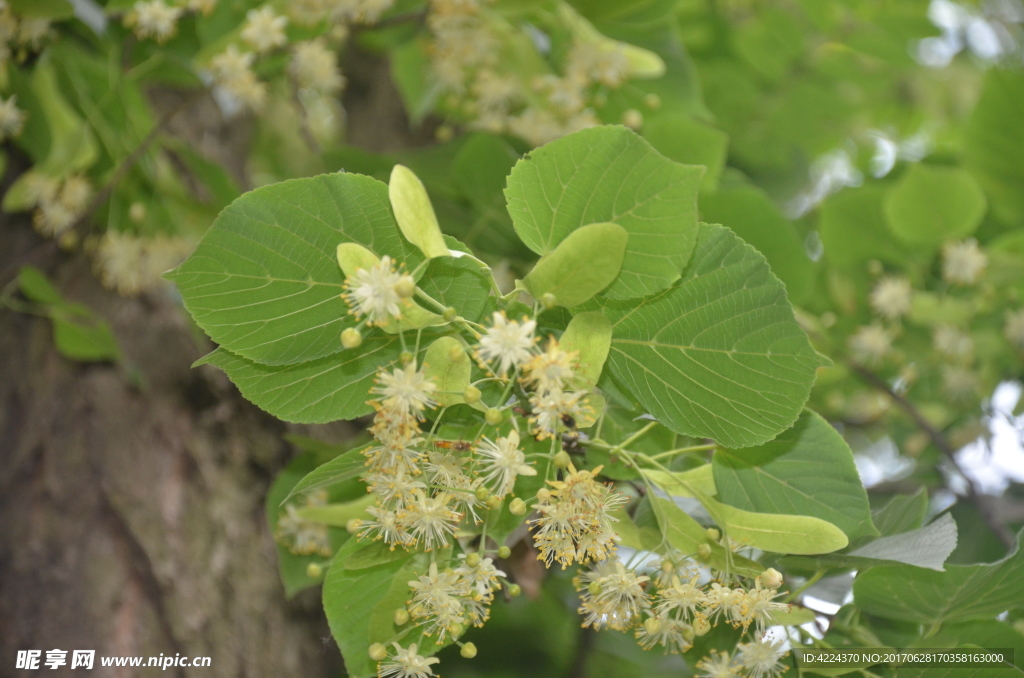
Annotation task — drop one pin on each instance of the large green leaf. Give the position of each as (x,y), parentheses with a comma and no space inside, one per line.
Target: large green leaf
(719,354)
(609,174)
(264,281)
(933,204)
(961,593)
(314,392)
(807,470)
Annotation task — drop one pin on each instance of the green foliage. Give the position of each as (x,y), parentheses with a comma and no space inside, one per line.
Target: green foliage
(933,204)
(582,264)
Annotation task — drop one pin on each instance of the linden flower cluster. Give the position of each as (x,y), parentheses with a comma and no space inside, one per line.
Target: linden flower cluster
(131,264)
(19,36)
(491,95)
(58,203)
(300,536)
(673,608)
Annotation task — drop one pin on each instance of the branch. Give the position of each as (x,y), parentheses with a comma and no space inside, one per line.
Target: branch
(940,442)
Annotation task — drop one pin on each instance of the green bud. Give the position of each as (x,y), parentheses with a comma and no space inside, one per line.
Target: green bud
(482,494)
(472,559)
(517,507)
(771,578)
(562,459)
(494,502)
(405,287)
(652,626)
(701,626)
(687,633)
(493,416)
(449,314)
(353,525)
(351,338)
(456,354)
(548,300)
(401,616)
(543,494)
(313,570)
(703,552)
(378,652)
(468,650)
(456,629)
(594,588)
(405,357)
(504,552)
(515,590)
(714,535)
(471,395)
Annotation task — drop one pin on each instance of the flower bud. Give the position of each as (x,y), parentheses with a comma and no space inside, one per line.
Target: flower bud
(378,652)
(456,354)
(633,119)
(515,590)
(456,629)
(594,588)
(503,553)
(494,502)
(405,287)
(468,651)
(471,395)
(652,101)
(543,494)
(562,459)
(472,559)
(548,300)
(351,337)
(313,570)
(701,626)
(493,416)
(652,626)
(137,212)
(401,616)
(353,525)
(771,578)
(482,494)
(703,552)
(517,507)
(406,357)
(714,535)
(687,633)
(449,314)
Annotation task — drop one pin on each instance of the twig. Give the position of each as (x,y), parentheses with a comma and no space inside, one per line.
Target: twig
(940,442)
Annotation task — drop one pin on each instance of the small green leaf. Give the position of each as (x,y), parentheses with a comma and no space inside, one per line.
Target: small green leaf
(352,256)
(678,483)
(590,334)
(73,146)
(85,339)
(582,265)
(343,467)
(37,287)
(414,213)
(778,533)
(928,308)
(933,204)
(337,515)
(448,364)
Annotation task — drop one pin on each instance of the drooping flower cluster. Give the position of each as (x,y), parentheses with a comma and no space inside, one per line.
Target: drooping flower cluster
(12,118)
(19,35)
(130,264)
(302,536)
(444,601)
(58,202)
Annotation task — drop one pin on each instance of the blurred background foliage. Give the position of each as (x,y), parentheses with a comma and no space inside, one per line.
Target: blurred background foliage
(855,143)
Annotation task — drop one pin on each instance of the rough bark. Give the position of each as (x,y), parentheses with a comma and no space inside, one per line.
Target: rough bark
(131,495)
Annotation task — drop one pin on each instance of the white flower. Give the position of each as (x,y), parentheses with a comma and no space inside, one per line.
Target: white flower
(32,32)
(871,343)
(717,665)
(129,265)
(12,118)
(951,342)
(204,7)
(154,19)
(502,461)
(405,389)
(478,581)
(385,525)
(891,297)
(407,664)
(761,658)
(959,382)
(686,598)
(508,342)
(430,519)
(315,67)
(963,262)
(301,536)
(371,292)
(75,193)
(264,30)
(1014,328)
(665,631)
(233,73)
(53,218)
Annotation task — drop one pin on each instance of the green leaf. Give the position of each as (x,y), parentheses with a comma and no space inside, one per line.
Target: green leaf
(927,547)
(350,597)
(449,366)
(681,138)
(903,513)
(414,213)
(719,354)
(581,265)
(264,282)
(961,593)
(988,633)
(807,470)
(609,174)
(686,535)
(316,392)
(337,515)
(933,204)
(73,146)
(994,142)
(775,532)
(678,484)
(37,287)
(83,338)
(370,554)
(54,10)
(627,529)
(853,230)
(341,468)
(590,334)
